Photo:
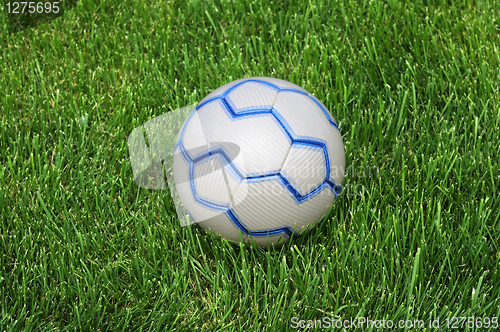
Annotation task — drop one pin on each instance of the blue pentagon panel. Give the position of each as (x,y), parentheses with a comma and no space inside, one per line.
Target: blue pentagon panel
(305,167)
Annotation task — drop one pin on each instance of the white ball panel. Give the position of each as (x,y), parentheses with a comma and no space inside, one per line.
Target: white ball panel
(223,225)
(305,168)
(194,136)
(252,95)
(262,141)
(233,181)
(210,181)
(326,109)
(302,114)
(308,120)
(198,211)
(276,207)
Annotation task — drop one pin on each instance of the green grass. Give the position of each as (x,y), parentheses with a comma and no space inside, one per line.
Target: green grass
(415,89)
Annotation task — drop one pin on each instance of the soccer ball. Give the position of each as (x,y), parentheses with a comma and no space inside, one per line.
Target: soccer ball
(259,159)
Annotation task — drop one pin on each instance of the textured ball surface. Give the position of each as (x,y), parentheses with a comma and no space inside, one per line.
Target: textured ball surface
(284,174)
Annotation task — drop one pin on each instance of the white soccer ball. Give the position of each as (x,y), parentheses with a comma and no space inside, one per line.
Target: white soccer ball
(259,158)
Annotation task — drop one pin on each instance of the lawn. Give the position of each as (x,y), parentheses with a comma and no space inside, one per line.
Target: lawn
(415,235)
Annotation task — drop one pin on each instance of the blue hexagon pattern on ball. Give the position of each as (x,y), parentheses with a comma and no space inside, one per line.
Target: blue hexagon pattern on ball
(285,174)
